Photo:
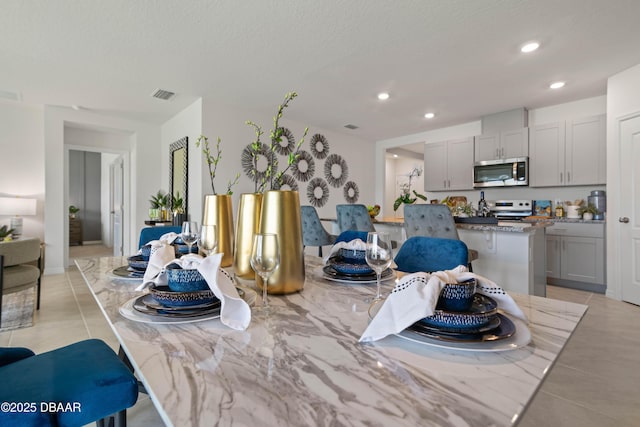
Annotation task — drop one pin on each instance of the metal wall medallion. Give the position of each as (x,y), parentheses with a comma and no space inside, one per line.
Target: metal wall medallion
(319,146)
(303,167)
(254,164)
(335,170)
(351,192)
(288,143)
(318,192)
(286,183)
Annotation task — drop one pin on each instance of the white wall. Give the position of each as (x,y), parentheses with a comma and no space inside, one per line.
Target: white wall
(623,98)
(186,123)
(22,154)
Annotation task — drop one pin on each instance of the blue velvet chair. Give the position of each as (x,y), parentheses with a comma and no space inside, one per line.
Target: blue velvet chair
(354,217)
(313,232)
(148,234)
(433,221)
(349,235)
(87,378)
(429,254)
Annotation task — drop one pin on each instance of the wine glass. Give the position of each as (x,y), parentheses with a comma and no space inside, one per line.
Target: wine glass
(265,259)
(189,233)
(208,239)
(378,256)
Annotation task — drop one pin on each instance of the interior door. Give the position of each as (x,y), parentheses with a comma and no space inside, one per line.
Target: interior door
(116,209)
(629,227)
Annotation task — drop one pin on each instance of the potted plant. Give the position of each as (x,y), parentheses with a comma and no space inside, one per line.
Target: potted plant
(588,212)
(406,196)
(158,202)
(5,233)
(73,211)
(178,209)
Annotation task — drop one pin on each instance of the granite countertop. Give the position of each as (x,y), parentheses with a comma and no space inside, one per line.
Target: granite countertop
(568,220)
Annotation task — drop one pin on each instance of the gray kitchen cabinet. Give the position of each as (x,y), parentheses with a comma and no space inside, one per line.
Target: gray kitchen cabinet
(448,165)
(575,255)
(505,145)
(568,153)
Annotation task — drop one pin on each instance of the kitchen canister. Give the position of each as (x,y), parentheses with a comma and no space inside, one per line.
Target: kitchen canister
(598,198)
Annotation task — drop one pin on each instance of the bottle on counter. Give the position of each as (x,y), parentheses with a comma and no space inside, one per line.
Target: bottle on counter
(559,209)
(483,208)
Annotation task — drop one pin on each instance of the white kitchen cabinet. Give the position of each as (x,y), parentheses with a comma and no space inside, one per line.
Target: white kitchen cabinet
(505,145)
(568,153)
(448,165)
(575,254)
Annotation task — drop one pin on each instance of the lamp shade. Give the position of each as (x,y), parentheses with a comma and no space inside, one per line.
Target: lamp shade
(17,206)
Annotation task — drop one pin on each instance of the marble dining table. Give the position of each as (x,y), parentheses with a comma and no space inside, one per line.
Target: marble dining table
(303,365)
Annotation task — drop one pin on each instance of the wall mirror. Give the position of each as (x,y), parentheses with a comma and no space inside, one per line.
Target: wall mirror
(178,176)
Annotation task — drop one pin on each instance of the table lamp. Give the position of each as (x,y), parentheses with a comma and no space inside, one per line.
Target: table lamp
(17,207)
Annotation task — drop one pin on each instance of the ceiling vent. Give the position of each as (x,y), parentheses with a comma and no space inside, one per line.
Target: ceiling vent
(351,127)
(163,94)
(14,96)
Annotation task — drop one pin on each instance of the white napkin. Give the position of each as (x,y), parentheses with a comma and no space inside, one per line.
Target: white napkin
(415,296)
(353,245)
(234,311)
(161,255)
(167,238)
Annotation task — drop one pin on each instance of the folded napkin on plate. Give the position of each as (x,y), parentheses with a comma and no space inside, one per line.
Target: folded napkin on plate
(234,311)
(353,245)
(415,297)
(167,238)
(161,255)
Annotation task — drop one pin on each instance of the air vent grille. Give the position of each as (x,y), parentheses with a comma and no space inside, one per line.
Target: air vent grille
(350,126)
(14,96)
(163,94)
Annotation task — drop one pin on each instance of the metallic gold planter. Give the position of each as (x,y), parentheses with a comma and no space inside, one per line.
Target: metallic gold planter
(247,224)
(218,211)
(281,215)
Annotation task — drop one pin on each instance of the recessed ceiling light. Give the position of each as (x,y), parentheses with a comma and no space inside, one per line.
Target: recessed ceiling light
(529,47)
(76,107)
(383,96)
(429,116)
(556,85)
(395,156)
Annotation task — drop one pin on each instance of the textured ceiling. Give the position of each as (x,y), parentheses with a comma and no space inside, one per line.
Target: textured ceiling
(458,58)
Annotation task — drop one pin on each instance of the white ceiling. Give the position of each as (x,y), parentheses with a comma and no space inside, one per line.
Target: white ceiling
(457,58)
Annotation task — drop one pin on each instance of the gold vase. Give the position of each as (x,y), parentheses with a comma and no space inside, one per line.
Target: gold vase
(218,211)
(281,215)
(247,224)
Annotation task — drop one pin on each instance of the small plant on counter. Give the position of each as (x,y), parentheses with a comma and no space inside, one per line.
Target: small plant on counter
(590,208)
(5,233)
(406,196)
(212,162)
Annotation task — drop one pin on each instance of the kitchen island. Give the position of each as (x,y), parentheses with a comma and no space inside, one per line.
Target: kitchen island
(510,253)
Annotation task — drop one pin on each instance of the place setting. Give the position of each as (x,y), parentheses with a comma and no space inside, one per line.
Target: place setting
(190,288)
(361,258)
(453,309)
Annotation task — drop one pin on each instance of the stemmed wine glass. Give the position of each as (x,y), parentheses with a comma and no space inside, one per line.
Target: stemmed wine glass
(189,233)
(378,256)
(265,259)
(208,239)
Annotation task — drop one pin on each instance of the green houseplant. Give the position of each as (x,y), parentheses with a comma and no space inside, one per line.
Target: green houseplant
(407,193)
(158,203)
(5,233)
(73,211)
(588,212)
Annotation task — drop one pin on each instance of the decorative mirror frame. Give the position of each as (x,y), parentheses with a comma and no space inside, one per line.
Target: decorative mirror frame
(181,144)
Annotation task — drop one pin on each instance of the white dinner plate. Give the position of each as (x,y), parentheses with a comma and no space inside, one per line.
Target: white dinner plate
(127,311)
(321,274)
(521,338)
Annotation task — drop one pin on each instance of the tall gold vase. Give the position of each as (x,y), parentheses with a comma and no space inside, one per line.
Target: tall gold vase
(281,215)
(218,211)
(247,224)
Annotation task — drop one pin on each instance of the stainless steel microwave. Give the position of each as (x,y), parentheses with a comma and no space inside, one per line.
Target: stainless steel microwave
(501,173)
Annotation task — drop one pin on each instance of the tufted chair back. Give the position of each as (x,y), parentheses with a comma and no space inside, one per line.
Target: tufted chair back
(429,220)
(354,217)
(430,254)
(313,232)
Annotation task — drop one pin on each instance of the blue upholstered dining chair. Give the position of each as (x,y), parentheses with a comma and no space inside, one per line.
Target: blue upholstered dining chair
(87,378)
(313,233)
(419,253)
(354,217)
(433,221)
(148,234)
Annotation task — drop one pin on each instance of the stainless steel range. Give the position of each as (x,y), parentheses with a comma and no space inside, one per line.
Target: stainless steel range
(510,209)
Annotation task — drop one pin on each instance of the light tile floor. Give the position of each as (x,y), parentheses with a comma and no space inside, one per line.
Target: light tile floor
(595,382)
